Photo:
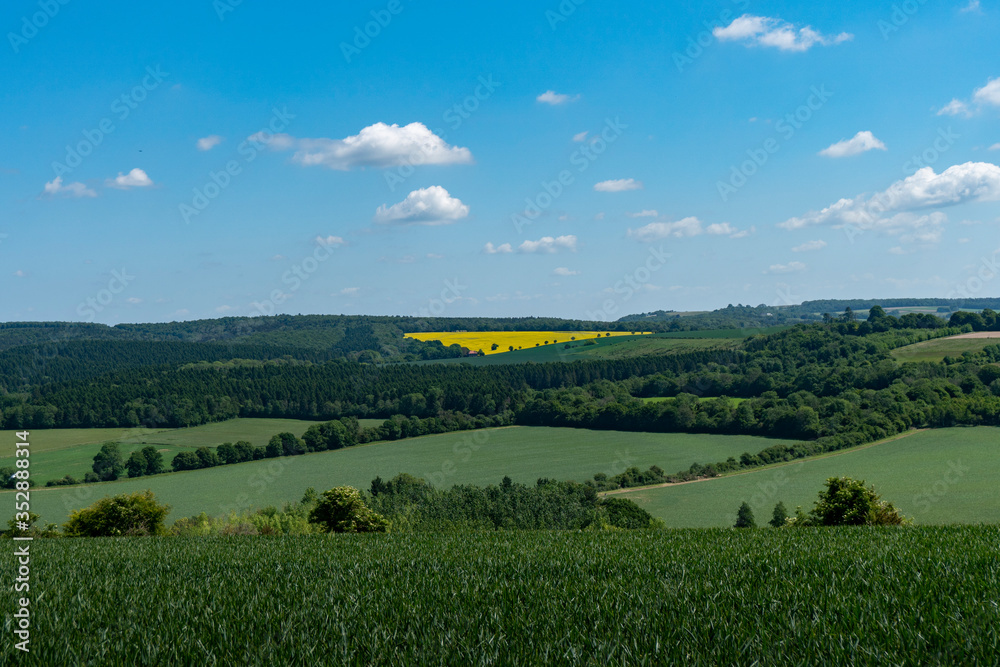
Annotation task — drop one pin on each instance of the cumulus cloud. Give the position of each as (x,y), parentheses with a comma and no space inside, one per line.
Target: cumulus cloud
(860,143)
(427,206)
(327,241)
(55,188)
(791,267)
(891,210)
(209,142)
(684,228)
(555,99)
(987,96)
(810,245)
(548,244)
(377,146)
(620,185)
(776,33)
(501,249)
(136,178)
(563,271)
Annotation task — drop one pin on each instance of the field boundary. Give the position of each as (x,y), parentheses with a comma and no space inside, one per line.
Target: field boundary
(825,455)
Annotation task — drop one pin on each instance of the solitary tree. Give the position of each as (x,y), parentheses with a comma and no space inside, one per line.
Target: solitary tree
(342,510)
(780,516)
(109,463)
(848,502)
(744,517)
(125,514)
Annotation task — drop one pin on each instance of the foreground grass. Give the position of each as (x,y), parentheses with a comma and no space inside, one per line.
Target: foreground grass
(788,597)
(467,457)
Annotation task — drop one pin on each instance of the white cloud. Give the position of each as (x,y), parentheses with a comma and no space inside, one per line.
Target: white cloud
(563,271)
(971,181)
(548,244)
(898,250)
(649,213)
(774,32)
(134,300)
(55,188)
(791,267)
(20,274)
(971,8)
(325,241)
(491,249)
(209,142)
(811,245)
(995,147)
(555,99)
(955,108)
(350,291)
(620,185)
(987,96)
(377,145)
(684,228)
(427,206)
(136,178)
(860,143)
(224,309)
(580,136)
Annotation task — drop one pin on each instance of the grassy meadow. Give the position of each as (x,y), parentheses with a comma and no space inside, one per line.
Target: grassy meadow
(939,348)
(847,596)
(939,476)
(468,457)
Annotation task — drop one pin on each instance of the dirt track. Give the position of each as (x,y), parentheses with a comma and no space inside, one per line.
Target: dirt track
(978,334)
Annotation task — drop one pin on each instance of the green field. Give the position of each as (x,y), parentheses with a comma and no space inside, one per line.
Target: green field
(60,452)
(935,477)
(939,348)
(469,457)
(849,596)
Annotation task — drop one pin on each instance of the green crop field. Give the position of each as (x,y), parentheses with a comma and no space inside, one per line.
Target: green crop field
(60,452)
(939,348)
(935,477)
(848,596)
(469,457)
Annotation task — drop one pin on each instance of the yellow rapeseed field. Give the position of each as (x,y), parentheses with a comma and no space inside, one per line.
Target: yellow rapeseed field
(504,340)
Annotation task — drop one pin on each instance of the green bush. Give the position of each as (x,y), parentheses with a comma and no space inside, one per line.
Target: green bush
(342,510)
(130,514)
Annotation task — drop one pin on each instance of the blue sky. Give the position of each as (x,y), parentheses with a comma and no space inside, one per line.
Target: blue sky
(579,160)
